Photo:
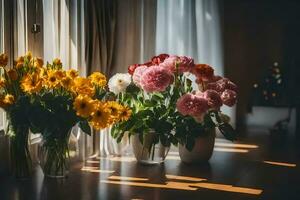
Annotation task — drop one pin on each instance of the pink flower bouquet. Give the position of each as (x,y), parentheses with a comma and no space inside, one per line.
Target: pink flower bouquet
(162,100)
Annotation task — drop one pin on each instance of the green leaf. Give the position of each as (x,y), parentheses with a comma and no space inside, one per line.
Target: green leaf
(228,132)
(208,121)
(190,143)
(85,127)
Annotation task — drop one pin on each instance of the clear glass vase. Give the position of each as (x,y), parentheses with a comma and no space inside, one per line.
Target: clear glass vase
(20,160)
(54,157)
(149,152)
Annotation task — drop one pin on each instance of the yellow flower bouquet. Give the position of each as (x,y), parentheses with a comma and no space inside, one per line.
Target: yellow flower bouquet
(60,99)
(17,107)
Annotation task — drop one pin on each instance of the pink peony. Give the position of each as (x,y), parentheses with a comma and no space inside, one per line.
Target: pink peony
(218,87)
(155,79)
(213,98)
(193,105)
(186,64)
(136,77)
(229,97)
(198,93)
(231,86)
(227,84)
(170,63)
(215,78)
(156,60)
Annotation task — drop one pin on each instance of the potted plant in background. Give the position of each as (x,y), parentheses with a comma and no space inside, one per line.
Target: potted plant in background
(17,107)
(200,114)
(59,100)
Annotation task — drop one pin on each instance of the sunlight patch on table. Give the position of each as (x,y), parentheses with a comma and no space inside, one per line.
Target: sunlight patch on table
(184,178)
(231,150)
(245,146)
(284,164)
(96,170)
(126,178)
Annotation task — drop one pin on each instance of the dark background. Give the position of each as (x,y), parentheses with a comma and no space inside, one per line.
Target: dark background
(258,33)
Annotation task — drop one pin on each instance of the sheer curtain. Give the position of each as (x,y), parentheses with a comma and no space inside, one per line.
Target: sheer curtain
(13,36)
(119,30)
(191,28)
(64,38)
(20,28)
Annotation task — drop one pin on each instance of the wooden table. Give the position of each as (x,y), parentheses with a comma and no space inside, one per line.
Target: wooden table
(251,169)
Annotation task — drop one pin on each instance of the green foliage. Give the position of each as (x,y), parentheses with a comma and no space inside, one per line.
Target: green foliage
(157,112)
(228,132)
(53,115)
(85,127)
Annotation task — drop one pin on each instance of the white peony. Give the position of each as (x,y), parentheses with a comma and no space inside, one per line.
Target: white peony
(119,82)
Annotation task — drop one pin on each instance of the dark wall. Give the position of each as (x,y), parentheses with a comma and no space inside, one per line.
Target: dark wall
(256,34)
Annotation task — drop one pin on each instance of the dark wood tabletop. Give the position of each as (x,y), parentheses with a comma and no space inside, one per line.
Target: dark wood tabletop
(249,169)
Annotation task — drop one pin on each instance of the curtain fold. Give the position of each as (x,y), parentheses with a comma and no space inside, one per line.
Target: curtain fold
(192,28)
(118,33)
(100,20)
(135,33)
(64,38)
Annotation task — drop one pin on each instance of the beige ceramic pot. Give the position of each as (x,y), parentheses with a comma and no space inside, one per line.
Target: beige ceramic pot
(202,150)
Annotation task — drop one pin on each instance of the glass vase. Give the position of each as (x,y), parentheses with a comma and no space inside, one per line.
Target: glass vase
(149,152)
(53,153)
(20,159)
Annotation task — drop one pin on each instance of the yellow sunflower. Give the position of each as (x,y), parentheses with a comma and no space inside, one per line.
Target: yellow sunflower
(57,61)
(42,71)
(83,86)
(3,60)
(115,109)
(9,99)
(125,113)
(67,82)
(19,62)
(100,117)
(98,79)
(28,55)
(12,74)
(72,73)
(2,82)
(52,80)
(83,105)
(37,62)
(31,83)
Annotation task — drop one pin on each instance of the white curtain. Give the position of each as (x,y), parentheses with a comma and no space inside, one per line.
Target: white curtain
(20,28)
(64,38)
(191,28)
(19,35)
(63,32)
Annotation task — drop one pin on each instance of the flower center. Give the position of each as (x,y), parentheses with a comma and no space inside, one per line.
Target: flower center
(52,79)
(98,113)
(83,105)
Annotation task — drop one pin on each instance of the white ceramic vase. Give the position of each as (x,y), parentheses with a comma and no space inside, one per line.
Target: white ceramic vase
(202,150)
